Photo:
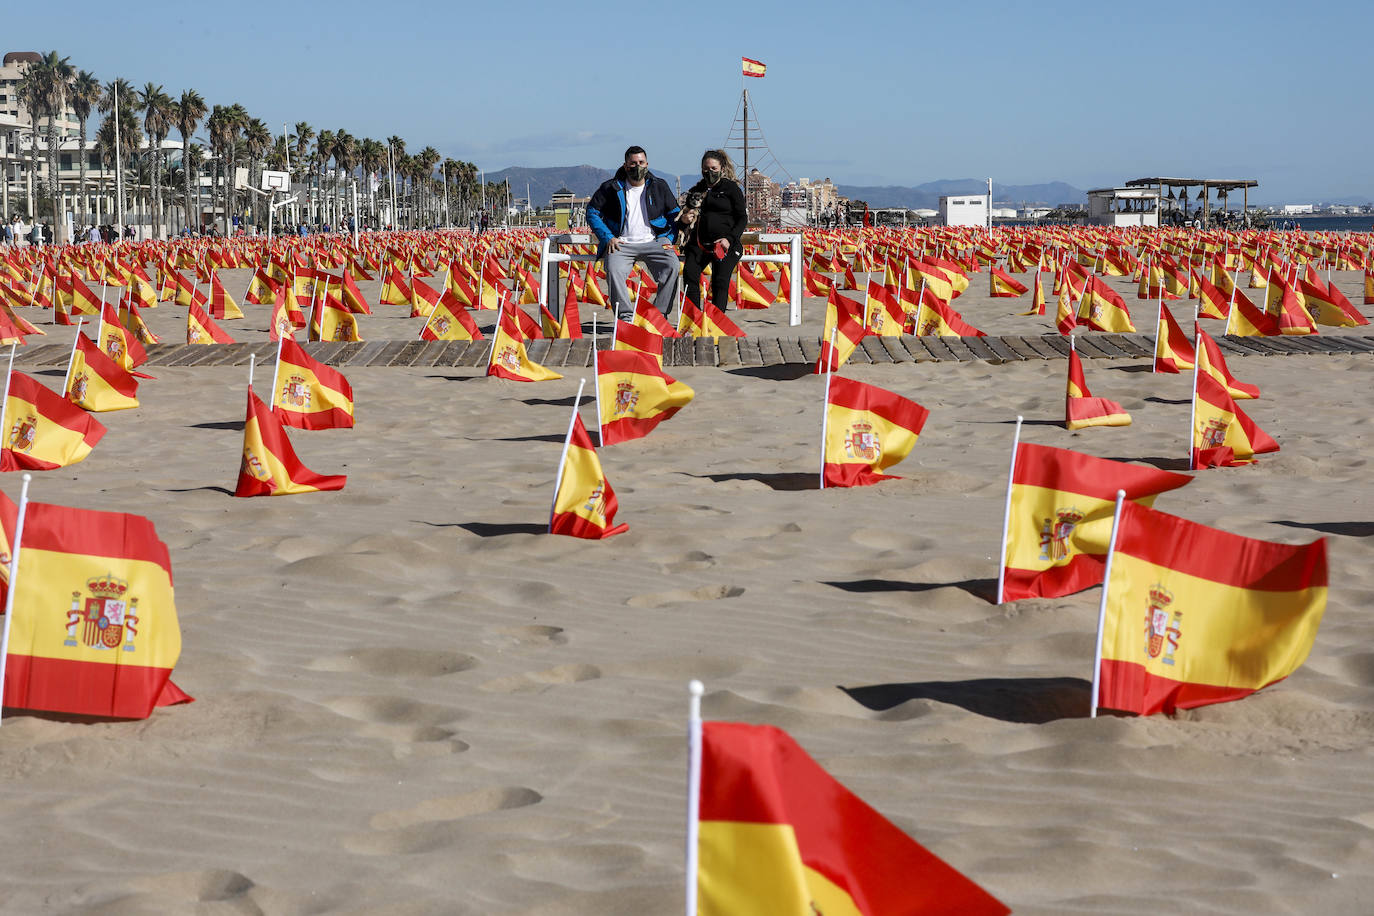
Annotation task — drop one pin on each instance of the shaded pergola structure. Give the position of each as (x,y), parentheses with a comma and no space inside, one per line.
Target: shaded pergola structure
(1177,189)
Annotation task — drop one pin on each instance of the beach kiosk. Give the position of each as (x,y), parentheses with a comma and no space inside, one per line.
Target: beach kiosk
(1123,207)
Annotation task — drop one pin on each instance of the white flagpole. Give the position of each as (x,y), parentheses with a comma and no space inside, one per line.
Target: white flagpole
(1160,330)
(5,403)
(696,689)
(14,570)
(563,459)
(596,374)
(825,403)
(67,379)
(491,351)
(1006,516)
(1231,306)
(252,364)
(1102,609)
(276,373)
(1192,405)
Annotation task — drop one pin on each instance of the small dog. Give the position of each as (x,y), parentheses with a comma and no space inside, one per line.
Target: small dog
(691,212)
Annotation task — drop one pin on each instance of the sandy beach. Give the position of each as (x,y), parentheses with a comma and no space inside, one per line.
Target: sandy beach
(411,701)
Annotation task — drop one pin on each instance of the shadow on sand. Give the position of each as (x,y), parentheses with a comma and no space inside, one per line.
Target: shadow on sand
(1033,700)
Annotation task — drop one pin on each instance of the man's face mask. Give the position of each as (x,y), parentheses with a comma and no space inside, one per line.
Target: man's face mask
(637,171)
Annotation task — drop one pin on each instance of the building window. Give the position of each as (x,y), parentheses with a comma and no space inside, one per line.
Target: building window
(66,160)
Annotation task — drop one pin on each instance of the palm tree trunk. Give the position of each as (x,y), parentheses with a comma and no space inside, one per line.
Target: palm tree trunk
(84,209)
(186,175)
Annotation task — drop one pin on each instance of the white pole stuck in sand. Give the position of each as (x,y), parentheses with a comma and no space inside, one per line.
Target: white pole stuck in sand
(13,573)
(696,688)
(825,402)
(1102,608)
(1006,516)
(76,338)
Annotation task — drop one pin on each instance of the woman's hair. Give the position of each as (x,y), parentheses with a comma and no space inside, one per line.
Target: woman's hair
(727,168)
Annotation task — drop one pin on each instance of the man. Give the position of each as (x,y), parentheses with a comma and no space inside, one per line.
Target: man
(635,216)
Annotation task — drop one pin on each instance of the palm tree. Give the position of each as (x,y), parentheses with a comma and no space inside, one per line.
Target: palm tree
(85,93)
(345,155)
(237,121)
(157,121)
(303,135)
(119,94)
(187,113)
(371,159)
(398,151)
(30,94)
(45,86)
(324,149)
(129,136)
(257,139)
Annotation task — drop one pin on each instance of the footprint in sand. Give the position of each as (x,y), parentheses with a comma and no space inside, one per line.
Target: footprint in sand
(528,636)
(681,596)
(691,561)
(394,662)
(436,822)
(536,681)
(404,722)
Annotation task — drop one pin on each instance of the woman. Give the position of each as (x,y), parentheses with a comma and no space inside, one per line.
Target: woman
(714,234)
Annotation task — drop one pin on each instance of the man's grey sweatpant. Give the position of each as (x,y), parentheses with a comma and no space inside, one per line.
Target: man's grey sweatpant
(660,257)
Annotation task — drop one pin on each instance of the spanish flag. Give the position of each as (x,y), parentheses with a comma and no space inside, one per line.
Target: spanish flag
(222,305)
(42,429)
(634,394)
(1059,517)
(1246,320)
(885,316)
(508,358)
(262,289)
(779,836)
(1104,308)
(1214,363)
(450,321)
(752,67)
(423,298)
(112,652)
(708,321)
(352,296)
(648,317)
(395,291)
(1223,435)
(634,338)
(752,293)
(1081,409)
(1328,305)
(1173,350)
(1213,302)
(117,341)
(584,505)
(1195,615)
(331,321)
(201,328)
(130,317)
(309,394)
(1002,285)
(97,383)
(867,430)
(936,318)
(269,466)
(843,323)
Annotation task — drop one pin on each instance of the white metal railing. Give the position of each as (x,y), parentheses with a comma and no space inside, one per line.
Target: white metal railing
(549,254)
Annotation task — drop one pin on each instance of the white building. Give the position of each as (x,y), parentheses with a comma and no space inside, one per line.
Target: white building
(1296,209)
(1123,207)
(965,210)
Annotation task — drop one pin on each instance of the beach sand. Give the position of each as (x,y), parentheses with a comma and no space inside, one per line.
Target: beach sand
(411,701)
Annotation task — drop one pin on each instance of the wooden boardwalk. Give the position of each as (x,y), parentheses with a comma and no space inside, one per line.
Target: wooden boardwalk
(727,353)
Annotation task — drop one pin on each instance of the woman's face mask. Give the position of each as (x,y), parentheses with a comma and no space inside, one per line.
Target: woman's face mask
(711,174)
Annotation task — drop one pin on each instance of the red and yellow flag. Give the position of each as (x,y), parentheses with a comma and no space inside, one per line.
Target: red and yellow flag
(937,318)
(843,317)
(450,321)
(867,430)
(635,338)
(112,652)
(1214,363)
(331,321)
(1197,616)
(1059,519)
(752,67)
(222,305)
(1173,350)
(885,316)
(118,342)
(97,383)
(395,291)
(779,836)
(309,394)
(201,328)
(1081,409)
(634,394)
(584,505)
(1223,435)
(42,429)
(1104,309)
(1002,285)
(270,466)
(508,357)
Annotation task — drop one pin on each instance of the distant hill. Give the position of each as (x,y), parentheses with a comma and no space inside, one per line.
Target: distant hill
(927,196)
(582,180)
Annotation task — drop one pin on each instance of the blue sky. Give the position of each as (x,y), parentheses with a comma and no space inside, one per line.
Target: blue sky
(862,93)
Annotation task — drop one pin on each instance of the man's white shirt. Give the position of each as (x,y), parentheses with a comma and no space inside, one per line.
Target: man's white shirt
(636,224)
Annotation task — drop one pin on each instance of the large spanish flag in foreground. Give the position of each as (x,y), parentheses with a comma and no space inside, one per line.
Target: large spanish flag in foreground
(95,629)
(1081,409)
(270,466)
(867,430)
(779,836)
(43,430)
(1224,436)
(584,505)
(310,395)
(1059,519)
(634,394)
(1196,616)
(96,382)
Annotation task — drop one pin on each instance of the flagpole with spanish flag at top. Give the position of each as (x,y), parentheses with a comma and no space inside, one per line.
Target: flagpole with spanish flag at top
(1102,608)
(1006,517)
(825,405)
